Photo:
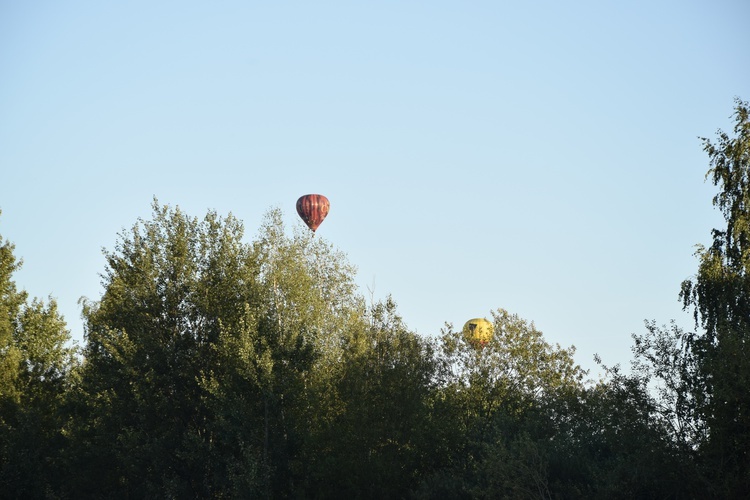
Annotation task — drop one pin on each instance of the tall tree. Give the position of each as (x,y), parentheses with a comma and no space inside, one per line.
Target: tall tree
(719,296)
(485,394)
(11,301)
(610,441)
(310,310)
(37,366)
(174,288)
(516,366)
(376,438)
(205,356)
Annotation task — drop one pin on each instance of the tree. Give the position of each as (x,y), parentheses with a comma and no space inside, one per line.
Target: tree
(37,371)
(376,438)
(719,296)
(485,396)
(11,301)
(310,311)
(205,357)
(665,364)
(610,441)
(151,422)
(701,377)
(517,366)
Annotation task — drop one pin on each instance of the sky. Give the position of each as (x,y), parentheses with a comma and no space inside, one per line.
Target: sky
(542,157)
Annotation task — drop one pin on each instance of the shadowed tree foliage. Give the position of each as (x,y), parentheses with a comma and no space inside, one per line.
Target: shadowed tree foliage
(375,441)
(701,378)
(200,358)
(219,368)
(173,287)
(484,396)
(310,309)
(719,295)
(37,367)
(610,441)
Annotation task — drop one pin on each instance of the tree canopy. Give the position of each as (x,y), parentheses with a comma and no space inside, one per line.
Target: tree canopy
(216,366)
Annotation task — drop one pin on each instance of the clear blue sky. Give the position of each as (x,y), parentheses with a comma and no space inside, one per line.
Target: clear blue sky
(536,156)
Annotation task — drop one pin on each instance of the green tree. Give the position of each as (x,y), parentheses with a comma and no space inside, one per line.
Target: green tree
(665,364)
(375,442)
(310,309)
(720,298)
(610,441)
(11,301)
(37,371)
(485,396)
(151,422)
(205,357)
(701,377)
(516,367)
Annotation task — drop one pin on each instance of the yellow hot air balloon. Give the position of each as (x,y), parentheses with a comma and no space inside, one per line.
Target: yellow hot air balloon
(478,332)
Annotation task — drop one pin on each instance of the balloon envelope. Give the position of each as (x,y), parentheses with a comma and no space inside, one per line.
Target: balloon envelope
(478,332)
(313,208)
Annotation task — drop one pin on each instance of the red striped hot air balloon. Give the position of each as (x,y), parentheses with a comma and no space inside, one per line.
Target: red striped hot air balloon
(313,208)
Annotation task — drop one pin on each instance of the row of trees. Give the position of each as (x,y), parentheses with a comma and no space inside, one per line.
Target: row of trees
(218,368)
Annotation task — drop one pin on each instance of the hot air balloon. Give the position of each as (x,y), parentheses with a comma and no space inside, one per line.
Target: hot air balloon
(313,208)
(478,332)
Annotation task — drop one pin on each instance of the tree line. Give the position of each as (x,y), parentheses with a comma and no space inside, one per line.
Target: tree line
(216,368)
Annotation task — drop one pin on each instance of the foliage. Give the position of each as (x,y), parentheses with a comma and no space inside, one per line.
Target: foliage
(37,369)
(373,444)
(720,298)
(701,377)
(609,441)
(173,287)
(215,367)
(200,356)
(11,301)
(485,396)
(517,364)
